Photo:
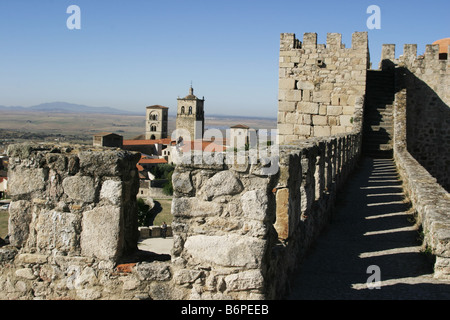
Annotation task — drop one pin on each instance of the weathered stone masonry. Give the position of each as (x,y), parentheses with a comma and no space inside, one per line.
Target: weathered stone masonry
(427,83)
(421,142)
(239,231)
(319,85)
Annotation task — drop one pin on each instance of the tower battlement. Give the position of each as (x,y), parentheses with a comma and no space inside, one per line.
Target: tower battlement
(320,85)
(334,41)
(432,56)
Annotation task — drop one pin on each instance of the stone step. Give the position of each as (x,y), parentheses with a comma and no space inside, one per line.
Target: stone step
(377,138)
(374,121)
(376,148)
(378,129)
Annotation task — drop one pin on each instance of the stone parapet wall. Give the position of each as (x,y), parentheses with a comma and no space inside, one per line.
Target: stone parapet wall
(312,172)
(73,200)
(427,80)
(222,224)
(430,200)
(239,233)
(72,220)
(153,232)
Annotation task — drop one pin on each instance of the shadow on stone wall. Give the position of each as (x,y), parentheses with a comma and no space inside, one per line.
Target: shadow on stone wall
(428,126)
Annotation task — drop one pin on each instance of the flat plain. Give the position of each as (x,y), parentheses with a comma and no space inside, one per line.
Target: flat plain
(80,127)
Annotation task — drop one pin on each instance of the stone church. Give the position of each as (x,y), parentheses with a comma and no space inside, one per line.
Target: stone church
(191,115)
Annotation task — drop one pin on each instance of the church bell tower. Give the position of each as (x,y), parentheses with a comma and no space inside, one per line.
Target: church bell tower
(190,115)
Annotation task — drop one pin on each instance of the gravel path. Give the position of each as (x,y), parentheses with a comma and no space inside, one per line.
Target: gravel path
(372,226)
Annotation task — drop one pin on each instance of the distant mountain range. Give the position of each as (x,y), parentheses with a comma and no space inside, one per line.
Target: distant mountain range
(65,107)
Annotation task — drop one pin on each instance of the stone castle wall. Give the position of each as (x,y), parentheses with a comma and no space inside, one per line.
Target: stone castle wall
(426,79)
(239,232)
(430,200)
(237,228)
(319,85)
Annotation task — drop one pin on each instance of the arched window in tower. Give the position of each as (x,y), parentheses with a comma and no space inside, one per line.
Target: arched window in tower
(154,116)
(153,128)
(182,110)
(190,110)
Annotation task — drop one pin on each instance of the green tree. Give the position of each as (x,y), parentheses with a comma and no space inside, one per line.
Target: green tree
(143,212)
(168,187)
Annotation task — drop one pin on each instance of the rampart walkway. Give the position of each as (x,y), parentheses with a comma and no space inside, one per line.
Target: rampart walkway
(372,226)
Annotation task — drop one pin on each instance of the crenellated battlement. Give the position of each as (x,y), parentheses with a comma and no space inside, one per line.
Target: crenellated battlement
(411,59)
(334,41)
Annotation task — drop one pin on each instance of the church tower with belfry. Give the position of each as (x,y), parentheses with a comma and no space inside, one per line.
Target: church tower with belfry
(191,115)
(156,123)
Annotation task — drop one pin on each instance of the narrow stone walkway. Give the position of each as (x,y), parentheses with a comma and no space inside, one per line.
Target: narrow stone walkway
(372,226)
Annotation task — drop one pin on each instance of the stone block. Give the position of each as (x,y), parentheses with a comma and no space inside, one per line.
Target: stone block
(244,281)
(346,120)
(337,130)
(285,128)
(112,191)
(182,182)
(308,107)
(227,251)
(286,106)
(323,110)
(307,95)
(293,95)
(321,131)
(101,233)
(288,84)
(319,120)
(334,110)
(194,207)
(306,119)
(303,130)
(348,110)
(254,205)
(339,99)
(79,188)
(19,222)
(291,117)
(222,183)
(158,271)
(56,232)
(310,40)
(333,121)
(24,181)
(305,85)
(187,276)
(282,214)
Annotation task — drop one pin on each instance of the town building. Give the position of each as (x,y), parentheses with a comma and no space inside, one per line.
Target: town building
(191,116)
(156,122)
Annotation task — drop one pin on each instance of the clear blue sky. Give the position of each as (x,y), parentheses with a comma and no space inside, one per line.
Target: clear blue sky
(134,53)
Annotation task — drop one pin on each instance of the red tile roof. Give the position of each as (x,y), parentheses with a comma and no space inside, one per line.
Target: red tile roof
(152,161)
(443,45)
